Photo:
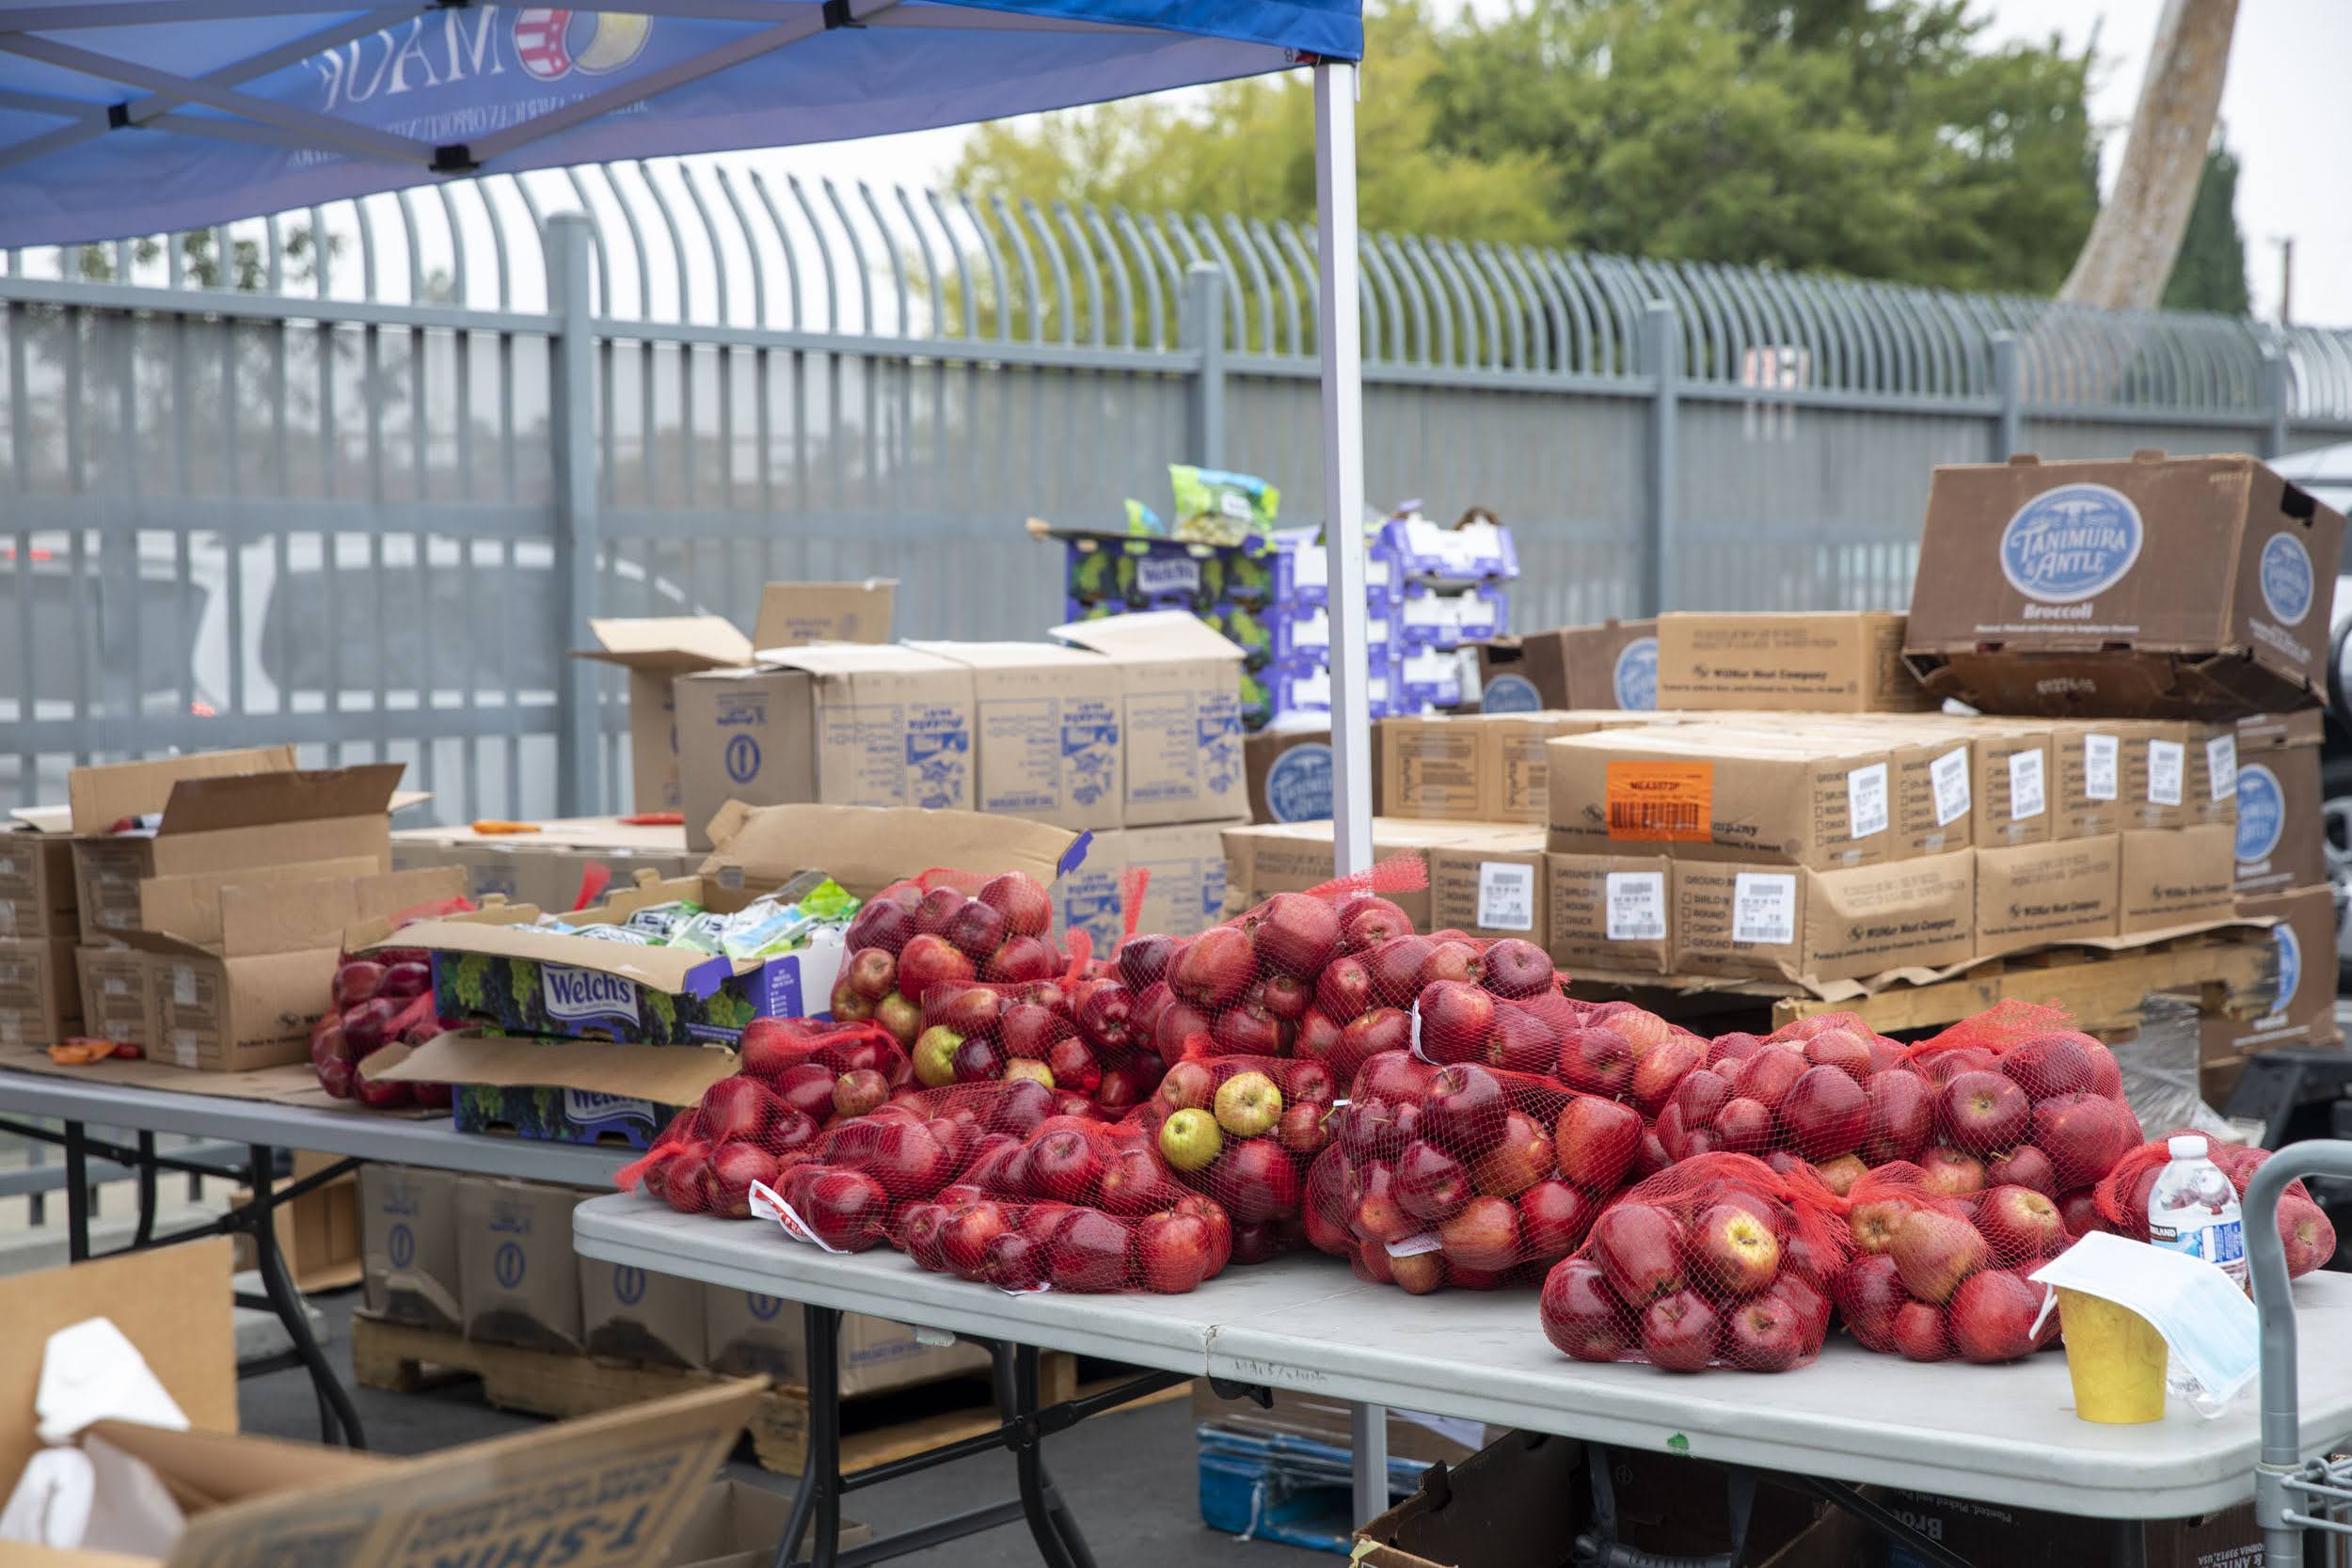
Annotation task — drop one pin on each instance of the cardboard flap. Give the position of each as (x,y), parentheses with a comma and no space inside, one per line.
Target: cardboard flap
(268,800)
(665,1075)
(665,969)
(190,907)
(1159,635)
(41,819)
(1007,656)
(673,644)
(99,797)
(207,1469)
(405,798)
(846,660)
(793,614)
(612,1489)
(865,849)
(292,917)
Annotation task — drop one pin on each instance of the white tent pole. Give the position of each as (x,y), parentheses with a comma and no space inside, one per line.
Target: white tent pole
(1340,336)
(1340,339)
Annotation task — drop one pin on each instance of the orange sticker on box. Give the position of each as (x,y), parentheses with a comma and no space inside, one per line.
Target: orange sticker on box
(1661,803)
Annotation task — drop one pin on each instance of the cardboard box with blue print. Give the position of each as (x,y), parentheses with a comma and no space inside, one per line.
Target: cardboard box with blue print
(2304,1010)
(2281,832)
(517,1280)
(1046,731)
(2176,587)
(1611,665)
(556,1091)
(1183,889)
(553,866)
(408,1245)
(744,1333)
(633,1314)
(1180,717)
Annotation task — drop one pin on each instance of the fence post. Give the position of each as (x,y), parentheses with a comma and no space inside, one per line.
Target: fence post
(2008,382)
(2277,393)
(572,437)
(1661,356)
(1201,327)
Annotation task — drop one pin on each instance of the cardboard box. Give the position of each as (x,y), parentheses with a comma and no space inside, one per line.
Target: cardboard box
(36,896)
(1181,685)
(2034,894)
(1431,769)
(408,1245)
(318,1233)
(2281,832)
(1289,774)
(1611,665)
(2157,775)
(747,1333)
(1413,1436)
(117,990)
(103,798)
(2021,1538)
(626,1314)
(550,867)
(1046,731)
(795,615)
(1611,912)
(1513,772)
(2180,878)
(1262,861)
(737,1525)
(40,992)
(1183,892)
(2304,1011)
(2087,760)
(1825,802)
(1828,661)
(2013,784)
(516,1282)
(1493,887)
(2192,587)
(550,1091)
(2213,773)
(1794,922)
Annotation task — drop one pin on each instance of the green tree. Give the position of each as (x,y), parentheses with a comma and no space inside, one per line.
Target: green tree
(2209,274)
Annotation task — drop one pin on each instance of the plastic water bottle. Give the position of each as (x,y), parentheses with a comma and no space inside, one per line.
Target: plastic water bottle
(2194,1208)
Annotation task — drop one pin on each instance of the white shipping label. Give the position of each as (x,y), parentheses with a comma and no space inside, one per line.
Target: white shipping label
(2167,760)
(7,918)
(1948,774)
(1637,905)
(1866,800)
(183,986)
(2221,763)
(2029,794)
(1506,896)
(1764,907)
(2100,753)
(183,1048)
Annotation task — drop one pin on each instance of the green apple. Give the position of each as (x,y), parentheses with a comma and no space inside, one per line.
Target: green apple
(935,1056)
(1248,1103)
(1190,1140)
(1024,1067)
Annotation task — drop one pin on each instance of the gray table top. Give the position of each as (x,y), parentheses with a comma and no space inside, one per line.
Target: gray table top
(2001,1435)
(401,1140)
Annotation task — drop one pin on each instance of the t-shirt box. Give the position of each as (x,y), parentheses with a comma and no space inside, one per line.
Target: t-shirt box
(2020,1538)
(2030,895)
(116,989)
(2281,832)
(633,1314)
(40,992)
(1045,731)
(1792,923)
(1180,724)
(1611,665)
(746,1333)
(1829,662)
(1492,888)
(1611,912)
(2189,586)
(517,1283)
(408,1245)
(36,896)
(1706,793)
(2176,876)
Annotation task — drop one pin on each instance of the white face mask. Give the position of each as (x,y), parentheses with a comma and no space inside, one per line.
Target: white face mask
(2206,1321)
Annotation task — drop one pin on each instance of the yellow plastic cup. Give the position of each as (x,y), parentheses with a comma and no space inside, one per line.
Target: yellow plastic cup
(2116,1358)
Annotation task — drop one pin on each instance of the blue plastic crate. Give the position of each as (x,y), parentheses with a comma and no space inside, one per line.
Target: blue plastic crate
(1287,1489)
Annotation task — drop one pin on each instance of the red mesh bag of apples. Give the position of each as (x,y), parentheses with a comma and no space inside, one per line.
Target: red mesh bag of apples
(1936,1276)
(1462,1175)
(1244,1130)
(2020,1099)
(2122,1198)
(1718,1261)
(377,998)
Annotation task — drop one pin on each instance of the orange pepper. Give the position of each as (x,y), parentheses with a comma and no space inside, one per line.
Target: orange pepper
(491,825)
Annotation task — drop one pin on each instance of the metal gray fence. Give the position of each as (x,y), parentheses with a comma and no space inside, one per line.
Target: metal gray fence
(363,494)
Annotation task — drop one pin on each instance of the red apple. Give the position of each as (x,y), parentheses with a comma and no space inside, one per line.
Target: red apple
(1734,1048)
(1065,1164)
(2023,1167)
(1518,968)
(930,960)
(1900,1119)
(1213,968)
(1304,1128)
(2019,1223)
(1395,966)
(847,1208)
(2080,1210)
(355,981)
(1659,1071)
(1581,1314)
(1812,1308)
(1983,1112)
(964,1239)
(1381,1031)
(1143,961)
(1767,1076)
(2306,1233)
(2084,1136)
(1596,1060)
(1246,1030)
(2107,1075)
(1826,1112)
(1767,1333)
(734,1166)
(1839,1175)
(1874,1222)
(980,1061)
(1316,1039)
(1023,904)
(1678,1332)
(1521,1158)
(1343,990)
(1022,960)
(1452,959)
(1105,1015)
(1134,1184)
(1256,1181)
(1186,1086)
(1743,1126)
(1431,1184)
(1992,1316)
(1071,1061)
(1463,1110)
(1934,1252)
(880,923)
(1020,1108)
(1700,1094)
(1293,932)
(873,974)
(741,1108)
(1640,1248)
(1485,1234)
(1417,1273)
(856,1093)
(1949,1173)
(1841,1049)
(1367,921)
(1457,1021)
(1869,1292)
(1919,1334)
(1554,1219)
(2048,1065)
(1173,1252)
(1732,1252)
(1648,1160)
(1950,1062)
(1594,1142)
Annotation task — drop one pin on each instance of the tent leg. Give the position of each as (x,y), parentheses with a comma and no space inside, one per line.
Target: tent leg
(1340,339)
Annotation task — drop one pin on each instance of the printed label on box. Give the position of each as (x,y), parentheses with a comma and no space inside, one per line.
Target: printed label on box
(1764,907)
(1948,774)
(2221,766)
(2167,762)
(2262,815)
(2026,794)
(580,995)
(1637,905)
(1179,573)
(1661,803)
(1506,896)
(1866,800)
(2099,754)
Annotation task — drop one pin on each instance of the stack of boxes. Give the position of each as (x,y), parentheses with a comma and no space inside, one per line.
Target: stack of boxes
(40,999)
(2281,860)
(1611,665)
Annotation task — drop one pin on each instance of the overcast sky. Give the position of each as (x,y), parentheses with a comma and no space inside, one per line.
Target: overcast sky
(2287,109)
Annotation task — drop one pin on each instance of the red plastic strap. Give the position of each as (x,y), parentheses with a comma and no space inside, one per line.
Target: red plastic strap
(1131,883)
(628,1175)
(1403,872)
(594,878)
(458,904)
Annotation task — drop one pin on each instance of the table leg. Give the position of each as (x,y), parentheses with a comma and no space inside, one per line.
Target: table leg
(76,1195)
(1367,1438)
(1050,1524)
(339,1420)
(147,1190)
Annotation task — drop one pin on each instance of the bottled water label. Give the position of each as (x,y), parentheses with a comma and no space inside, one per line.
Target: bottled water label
(2222,1242)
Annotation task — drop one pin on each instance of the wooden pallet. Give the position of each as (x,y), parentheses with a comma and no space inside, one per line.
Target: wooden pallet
(2226,971)
(876,1429)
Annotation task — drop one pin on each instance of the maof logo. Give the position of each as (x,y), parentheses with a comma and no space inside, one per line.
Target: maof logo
(2261,813)
(551,41)
(629,1284)
(2286,567)
(742,759)
(401,1246)
(1508,694)
(763,1307)
(1299,785)
(507,1263)
(1635,678)
(2071,543)
(2290,964)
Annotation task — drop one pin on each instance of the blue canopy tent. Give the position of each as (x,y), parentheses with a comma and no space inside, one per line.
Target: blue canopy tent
(121,118)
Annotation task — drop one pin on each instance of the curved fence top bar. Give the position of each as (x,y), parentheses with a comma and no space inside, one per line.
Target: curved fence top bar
(909,267)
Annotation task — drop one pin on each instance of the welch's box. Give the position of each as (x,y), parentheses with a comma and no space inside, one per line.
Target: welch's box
(2173,588)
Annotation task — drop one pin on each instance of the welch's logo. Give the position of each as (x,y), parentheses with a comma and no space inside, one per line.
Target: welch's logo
(1635,678)
(577,994)
(2070,544)
(2286,568)
(2261,813)
(586,1108)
